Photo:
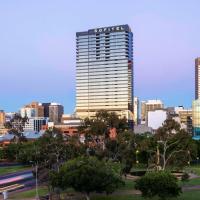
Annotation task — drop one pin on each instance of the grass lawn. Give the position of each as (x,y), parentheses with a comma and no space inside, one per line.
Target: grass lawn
(192,195)
(191,182)
(129,185)
(195,169)
(123,197)
(29,193)
(12,169)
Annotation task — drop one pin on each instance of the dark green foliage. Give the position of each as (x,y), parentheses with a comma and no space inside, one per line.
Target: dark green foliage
(185,177)
(11,152)
(102,123)
(122,149)
(162,184)
(86,175)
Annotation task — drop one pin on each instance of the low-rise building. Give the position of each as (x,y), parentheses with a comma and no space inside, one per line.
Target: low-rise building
(142,128)
(156,118)
(35,124)
(150,105)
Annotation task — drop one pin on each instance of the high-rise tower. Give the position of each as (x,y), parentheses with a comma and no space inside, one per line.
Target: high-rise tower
(104,71)
(197,78)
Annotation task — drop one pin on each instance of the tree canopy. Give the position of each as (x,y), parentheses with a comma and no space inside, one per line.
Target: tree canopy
(86,175)
(162,184)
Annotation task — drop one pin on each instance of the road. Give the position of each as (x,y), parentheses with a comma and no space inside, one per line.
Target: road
(17,181)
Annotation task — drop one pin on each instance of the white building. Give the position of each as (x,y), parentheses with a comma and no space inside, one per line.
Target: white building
(156,118)
(178,109)
(150,105)
(35,124)
(28,112)
(136,110)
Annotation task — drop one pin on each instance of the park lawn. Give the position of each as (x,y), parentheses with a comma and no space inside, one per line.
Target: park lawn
(129,185)
(30,193)
(12,169)
(118,197)
(191,195)
(191,182)
(195,169)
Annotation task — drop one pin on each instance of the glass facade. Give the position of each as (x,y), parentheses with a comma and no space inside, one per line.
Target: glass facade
(196,117)
(104,71)
(197,78)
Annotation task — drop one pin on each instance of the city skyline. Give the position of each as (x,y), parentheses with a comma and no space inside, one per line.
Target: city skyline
(37,53)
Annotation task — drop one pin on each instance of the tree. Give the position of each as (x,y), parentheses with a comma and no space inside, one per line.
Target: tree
(174,146)
(15,127)
(97,129)
(185,177)
(122,149)
(86,175)
(162,184)
(48,153)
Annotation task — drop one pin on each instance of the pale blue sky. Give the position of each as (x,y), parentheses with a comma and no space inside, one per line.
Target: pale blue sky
(37,47)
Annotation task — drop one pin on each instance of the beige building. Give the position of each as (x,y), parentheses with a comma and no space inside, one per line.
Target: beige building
(2,117)
(197,78)
(184,114)
(33,109)
(150,105)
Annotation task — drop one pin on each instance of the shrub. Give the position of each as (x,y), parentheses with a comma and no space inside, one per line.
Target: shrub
(162,184)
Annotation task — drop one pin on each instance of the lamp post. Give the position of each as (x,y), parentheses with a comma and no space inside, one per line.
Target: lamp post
(189,157)
(136,153)
(36,179)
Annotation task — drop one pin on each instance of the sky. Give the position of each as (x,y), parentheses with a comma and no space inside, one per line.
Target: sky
(37,47)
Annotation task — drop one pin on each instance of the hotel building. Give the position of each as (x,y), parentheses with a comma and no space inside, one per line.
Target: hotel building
(104,71)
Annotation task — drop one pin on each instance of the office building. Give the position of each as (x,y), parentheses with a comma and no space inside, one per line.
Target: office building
(136,110)
(35,124)
(184,115)
(33,109)
(56,111)
(28,112)
(150,105)
(156,118)
(46,109)
(197,78)
(9,116)
(143,112)
(104,71)
(2,118)
(71,121)
(196,117)
(177,109)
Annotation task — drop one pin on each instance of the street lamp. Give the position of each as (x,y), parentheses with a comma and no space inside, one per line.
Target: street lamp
(36,179)
(189,157)
(136,153)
